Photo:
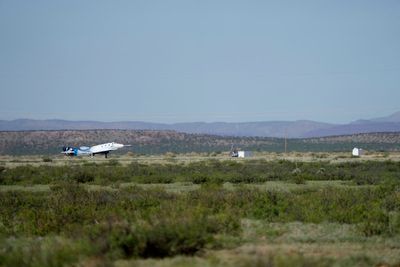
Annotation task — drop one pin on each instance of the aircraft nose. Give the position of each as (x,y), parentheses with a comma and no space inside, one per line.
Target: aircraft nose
(118,145)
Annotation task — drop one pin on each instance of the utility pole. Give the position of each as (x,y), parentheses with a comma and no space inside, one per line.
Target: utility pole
(285,141)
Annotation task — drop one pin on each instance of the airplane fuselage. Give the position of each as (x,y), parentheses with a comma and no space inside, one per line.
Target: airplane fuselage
(97,149)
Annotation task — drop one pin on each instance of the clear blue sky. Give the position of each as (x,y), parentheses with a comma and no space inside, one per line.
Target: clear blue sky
(175,61)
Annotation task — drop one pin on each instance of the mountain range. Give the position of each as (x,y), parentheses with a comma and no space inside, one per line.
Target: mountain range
(290,129)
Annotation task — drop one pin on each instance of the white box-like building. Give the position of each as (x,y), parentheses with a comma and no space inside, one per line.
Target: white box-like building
(357,152)
(244,154)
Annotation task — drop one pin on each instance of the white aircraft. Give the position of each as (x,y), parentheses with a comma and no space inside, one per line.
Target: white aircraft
(93,150)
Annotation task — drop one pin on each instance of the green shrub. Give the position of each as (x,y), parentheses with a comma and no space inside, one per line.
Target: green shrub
(162,235)
(43,252)
(299,179)
(376,222)
(47,159)
(199,179)
(83,176)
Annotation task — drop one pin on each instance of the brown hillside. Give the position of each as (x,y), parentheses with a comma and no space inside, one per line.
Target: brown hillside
(154,142)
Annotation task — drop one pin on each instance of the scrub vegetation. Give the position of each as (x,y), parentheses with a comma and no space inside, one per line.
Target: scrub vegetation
(160,142)
(205,213)
(210,171)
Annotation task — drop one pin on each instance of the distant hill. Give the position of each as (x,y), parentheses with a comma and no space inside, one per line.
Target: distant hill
(395,117)
(390,123)
(290,129)
(157,142)
(355,128)
(265,129)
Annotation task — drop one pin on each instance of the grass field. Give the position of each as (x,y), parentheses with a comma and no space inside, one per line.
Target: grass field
(12,161)
(312,209)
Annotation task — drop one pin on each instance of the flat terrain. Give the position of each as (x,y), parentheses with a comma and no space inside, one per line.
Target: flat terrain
(124,159)
(274,209)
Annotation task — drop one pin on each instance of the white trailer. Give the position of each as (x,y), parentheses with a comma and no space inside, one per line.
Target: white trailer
(244,154)
(357,152)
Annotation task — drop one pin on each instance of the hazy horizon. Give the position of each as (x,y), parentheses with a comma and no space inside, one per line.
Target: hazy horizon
(199,61)
(255,121)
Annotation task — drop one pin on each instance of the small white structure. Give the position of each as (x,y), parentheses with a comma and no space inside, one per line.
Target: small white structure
(244,154)
(357,152)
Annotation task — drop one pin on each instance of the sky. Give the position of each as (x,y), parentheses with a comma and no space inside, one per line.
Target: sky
(199,60)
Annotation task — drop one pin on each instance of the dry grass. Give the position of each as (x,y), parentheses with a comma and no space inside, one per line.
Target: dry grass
(182,187)
(333,157)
